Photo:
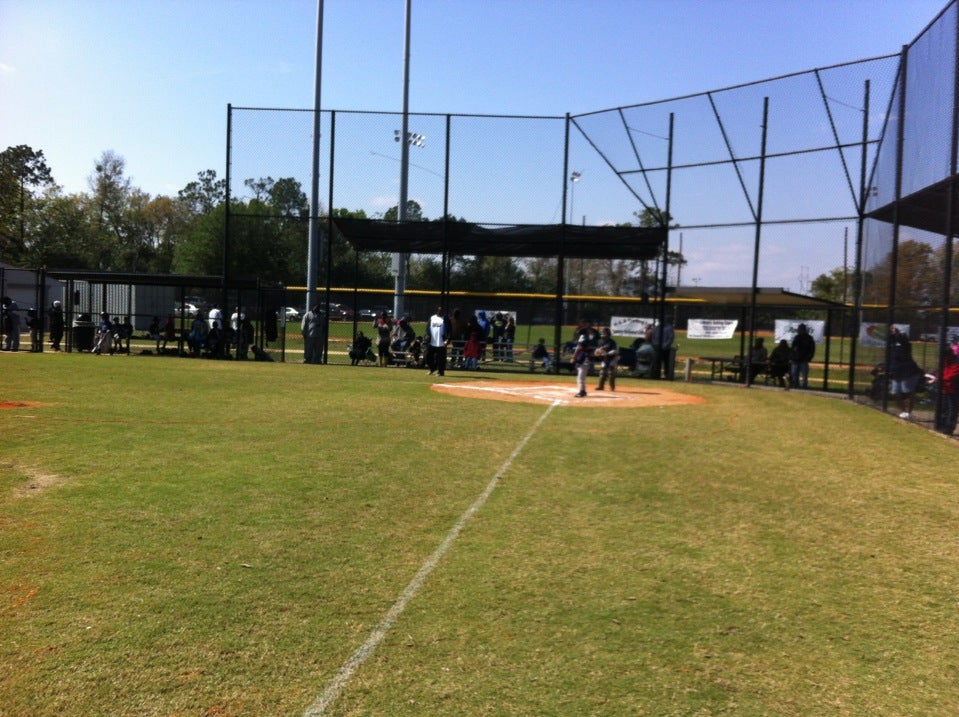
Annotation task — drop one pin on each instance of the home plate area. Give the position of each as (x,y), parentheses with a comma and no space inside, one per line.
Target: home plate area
(564,394)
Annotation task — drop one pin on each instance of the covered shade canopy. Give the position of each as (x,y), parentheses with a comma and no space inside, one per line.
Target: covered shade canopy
(742,296)
(927,209)
(140,279)
(464,238)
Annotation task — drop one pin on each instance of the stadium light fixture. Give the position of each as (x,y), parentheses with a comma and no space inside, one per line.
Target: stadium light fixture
(412,138)
(573,179)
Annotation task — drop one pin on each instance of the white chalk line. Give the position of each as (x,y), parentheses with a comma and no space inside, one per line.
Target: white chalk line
(363,653)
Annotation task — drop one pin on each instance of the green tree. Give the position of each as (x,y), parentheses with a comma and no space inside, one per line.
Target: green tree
(61,236)
(623,277)
(918,276)
(368,269)
(203,195)
(414,212)
(199,249)
(837,285)
(23,171)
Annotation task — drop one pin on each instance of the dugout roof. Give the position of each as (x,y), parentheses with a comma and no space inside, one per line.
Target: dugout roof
(137,279)
(464,238)
(742,296)
(927,209)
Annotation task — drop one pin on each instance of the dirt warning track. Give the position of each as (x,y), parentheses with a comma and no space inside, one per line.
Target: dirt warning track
(545,392)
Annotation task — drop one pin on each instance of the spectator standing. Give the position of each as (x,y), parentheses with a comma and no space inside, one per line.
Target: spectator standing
(4,325)
(459,332)
(236,319)
(215,317)
(803,349)
(11,324)
(245,339)
(270,330)
(56,325)
(383,326)
(904,372)
(948,387)
(498,331)
(510,338)
(662,339)
(311,327)
(484,332)
(437,334)
(33,324)
(608,353)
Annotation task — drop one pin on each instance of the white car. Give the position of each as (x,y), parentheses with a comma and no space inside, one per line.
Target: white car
(291,313)
(188,309)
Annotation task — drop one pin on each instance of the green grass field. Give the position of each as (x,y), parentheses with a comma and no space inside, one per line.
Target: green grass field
(198,538)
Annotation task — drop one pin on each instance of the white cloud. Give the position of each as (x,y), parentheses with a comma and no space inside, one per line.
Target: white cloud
(6,69)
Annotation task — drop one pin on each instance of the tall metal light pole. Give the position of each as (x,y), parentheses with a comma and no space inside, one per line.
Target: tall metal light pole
(400,260)
(315,249)
(573,178)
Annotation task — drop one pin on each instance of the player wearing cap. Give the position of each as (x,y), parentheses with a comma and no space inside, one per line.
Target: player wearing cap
(608,353)
(56,325)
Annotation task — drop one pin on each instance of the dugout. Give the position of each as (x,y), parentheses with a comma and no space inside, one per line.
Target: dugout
(143,296)
(557,241)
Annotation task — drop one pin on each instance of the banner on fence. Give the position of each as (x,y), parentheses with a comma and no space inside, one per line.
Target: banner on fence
(631,326)
(711,328)
(875,333)
(787,329)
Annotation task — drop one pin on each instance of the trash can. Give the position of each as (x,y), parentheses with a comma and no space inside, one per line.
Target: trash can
(83,333)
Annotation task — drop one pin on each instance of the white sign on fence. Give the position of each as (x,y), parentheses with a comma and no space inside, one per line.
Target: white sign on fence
(787,329)
(631,326)
(711,328)
(875,333)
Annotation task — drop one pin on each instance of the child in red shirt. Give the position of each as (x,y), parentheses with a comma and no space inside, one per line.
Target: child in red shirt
(472,351)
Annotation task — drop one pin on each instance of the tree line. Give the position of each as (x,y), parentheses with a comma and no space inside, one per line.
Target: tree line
(115,226)
(920,275)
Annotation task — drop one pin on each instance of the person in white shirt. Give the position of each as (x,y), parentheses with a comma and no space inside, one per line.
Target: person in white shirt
(437,334)
(215,318)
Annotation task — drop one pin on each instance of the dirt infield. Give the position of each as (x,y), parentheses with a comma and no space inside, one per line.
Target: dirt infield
(6,405)
(564,394)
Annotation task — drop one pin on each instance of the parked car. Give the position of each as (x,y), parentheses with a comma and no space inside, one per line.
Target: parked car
(372,312)
(340,312)
(292,313)
(187,308)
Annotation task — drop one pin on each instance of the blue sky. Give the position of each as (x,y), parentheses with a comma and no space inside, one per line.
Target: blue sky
(151,79)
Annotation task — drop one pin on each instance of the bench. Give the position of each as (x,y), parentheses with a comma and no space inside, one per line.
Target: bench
(733,369)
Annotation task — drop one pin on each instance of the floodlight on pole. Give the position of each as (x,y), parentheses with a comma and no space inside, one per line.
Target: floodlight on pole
(315,239)
(399,260)
(573,178)
(412,138)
